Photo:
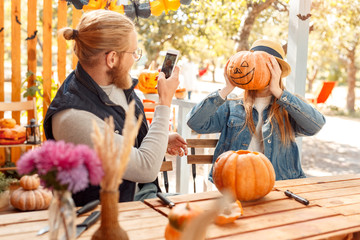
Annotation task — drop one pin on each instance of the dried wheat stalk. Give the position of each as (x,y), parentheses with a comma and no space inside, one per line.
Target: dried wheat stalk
(115,159)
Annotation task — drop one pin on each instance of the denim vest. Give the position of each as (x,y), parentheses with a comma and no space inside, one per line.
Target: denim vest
(80,91)
(215,115)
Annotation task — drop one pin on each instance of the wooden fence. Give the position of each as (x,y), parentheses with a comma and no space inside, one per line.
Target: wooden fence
(33,29)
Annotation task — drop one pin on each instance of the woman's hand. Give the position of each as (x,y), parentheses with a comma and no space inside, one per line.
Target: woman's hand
(275,71)
(229,87)
(176,145)
(167,87)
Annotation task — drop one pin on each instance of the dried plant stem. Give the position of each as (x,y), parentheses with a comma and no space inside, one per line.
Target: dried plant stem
(114,158)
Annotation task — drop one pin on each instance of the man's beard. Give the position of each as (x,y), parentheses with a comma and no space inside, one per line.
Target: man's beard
(120,77)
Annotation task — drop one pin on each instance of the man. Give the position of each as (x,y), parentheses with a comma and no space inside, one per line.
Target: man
(100,86)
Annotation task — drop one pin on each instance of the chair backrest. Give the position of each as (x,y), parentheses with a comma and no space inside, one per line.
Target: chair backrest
(205,155)
(19,106)
(194,144)
(325,91)
(149,108)
(29,105)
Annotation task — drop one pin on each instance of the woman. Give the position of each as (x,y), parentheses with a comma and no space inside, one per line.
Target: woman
(266,120)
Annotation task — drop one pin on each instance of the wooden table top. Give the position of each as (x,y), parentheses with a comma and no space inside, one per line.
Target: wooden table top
(334,211)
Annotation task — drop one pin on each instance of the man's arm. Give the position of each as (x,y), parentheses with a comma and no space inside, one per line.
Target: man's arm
(75,126)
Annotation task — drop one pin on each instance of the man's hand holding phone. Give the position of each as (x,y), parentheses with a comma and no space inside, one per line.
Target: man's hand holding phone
(169,62)
(167,86)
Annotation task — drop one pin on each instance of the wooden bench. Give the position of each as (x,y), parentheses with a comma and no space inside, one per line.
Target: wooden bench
(206,146)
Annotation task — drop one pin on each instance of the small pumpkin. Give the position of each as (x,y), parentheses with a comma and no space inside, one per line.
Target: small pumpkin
(230,213)
(7,123)
(178,217)
(30,182)
(27,200)
(248,175)
(248,70)
(148,79)
(180,93)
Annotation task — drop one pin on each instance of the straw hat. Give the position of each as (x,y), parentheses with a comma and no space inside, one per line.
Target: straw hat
(274,49)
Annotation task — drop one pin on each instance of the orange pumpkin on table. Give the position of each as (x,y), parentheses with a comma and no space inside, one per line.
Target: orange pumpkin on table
(248,70)
(148,79)
(179,217)
(247,175)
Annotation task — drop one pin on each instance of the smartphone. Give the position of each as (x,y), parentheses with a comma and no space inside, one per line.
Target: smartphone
(169,62)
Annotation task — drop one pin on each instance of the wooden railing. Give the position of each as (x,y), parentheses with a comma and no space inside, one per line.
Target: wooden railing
(35,28)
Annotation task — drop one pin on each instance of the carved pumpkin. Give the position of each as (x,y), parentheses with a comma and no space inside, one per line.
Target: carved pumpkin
(248,175)
(179,216)
(148,79)
(230,213)
(248,70)
(27,200)
(30,182)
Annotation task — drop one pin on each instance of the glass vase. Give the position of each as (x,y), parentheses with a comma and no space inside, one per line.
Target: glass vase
(62,216)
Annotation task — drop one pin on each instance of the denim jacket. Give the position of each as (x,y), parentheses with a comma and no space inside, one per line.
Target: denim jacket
(216,115)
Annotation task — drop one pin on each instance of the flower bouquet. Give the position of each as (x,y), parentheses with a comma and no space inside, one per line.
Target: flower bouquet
(64,168)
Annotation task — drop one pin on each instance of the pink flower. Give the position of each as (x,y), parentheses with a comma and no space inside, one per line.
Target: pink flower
(91,161)
(26,164)
(63,166)
(77,178)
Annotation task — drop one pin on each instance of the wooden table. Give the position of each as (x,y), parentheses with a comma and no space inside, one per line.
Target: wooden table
(333,213)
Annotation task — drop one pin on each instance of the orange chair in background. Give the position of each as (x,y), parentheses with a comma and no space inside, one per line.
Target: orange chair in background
(149,109)
(323,93)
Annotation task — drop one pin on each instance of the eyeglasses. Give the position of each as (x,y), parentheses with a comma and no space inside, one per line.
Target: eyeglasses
(137,54)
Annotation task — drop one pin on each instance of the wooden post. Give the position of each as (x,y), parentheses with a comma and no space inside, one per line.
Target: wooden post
(15,54)
(2,71)
(182,168)
(298,48)
(31,47)
(47,71)
(76,18)
(62,18)
(15,65)
(298,45)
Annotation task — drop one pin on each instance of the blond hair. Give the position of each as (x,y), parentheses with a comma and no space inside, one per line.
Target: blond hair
(99,31)
(276,112)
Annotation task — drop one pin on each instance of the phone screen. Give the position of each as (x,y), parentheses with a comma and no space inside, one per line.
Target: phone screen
(169,64)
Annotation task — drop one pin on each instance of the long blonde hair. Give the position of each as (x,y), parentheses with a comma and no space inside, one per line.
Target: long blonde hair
(99,31)
(276,112)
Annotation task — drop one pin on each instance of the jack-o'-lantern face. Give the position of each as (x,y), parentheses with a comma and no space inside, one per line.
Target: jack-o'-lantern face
(238,74)
(248,70)
(148,79)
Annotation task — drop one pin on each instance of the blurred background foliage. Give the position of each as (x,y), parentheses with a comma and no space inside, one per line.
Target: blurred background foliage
(209,32)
